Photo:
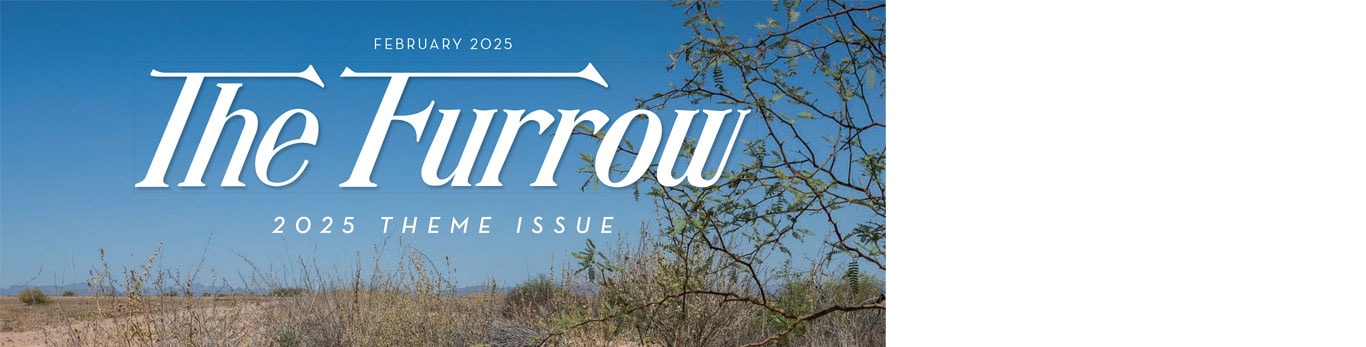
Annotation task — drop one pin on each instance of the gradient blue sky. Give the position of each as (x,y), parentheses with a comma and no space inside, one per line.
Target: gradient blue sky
(82,118)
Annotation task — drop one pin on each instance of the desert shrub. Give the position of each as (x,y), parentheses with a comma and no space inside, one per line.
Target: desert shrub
(650,293)
(68,293)
(312,329)
(804,295)
(715,262)
(287,292)
(796,296)
(33,296)
(653,292)
(534,296)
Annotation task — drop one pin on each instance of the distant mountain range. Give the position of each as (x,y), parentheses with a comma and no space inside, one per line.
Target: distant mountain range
(83,289)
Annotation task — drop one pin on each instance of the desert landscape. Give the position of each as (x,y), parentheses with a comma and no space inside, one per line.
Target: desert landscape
(783,244)
(404,297)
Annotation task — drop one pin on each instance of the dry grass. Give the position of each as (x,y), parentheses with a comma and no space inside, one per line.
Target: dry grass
(405,298)
(662,295)
(15,316)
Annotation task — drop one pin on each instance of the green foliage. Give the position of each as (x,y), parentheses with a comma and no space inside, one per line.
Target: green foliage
(851,276)
(68,293)
(822,146)
(288,291)
(812,73)
(593,262)
(34,296)
(534,294)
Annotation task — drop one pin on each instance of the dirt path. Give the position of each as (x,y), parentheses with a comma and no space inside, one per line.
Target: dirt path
(22,338)
(243,318)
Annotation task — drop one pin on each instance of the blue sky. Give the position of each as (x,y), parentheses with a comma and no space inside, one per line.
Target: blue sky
(82,118)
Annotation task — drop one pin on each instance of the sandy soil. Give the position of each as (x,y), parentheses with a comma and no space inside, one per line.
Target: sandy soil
(48,325)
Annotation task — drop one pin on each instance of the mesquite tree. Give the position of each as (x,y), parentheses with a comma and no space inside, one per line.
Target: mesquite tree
(813,75)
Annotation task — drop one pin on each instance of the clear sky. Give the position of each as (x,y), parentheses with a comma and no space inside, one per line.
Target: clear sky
(82,118)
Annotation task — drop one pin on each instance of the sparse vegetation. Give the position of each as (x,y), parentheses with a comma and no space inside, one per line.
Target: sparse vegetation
(716,269)
(69,293)
(415,302)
